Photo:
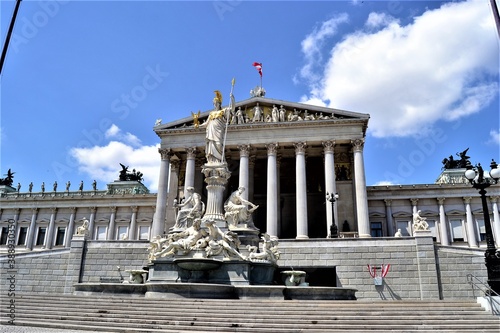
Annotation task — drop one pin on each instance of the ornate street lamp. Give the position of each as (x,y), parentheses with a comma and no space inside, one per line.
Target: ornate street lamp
(334,230)
(478,181)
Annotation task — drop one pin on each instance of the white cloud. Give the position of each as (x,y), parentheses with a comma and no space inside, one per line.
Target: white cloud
(440,67)
(494,137)
(114,132)
(103,162)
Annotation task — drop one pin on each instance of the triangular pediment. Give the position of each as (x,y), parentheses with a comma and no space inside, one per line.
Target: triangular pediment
(293,113)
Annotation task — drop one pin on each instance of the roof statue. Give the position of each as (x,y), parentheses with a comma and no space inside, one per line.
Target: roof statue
(451,163)
(125,175)
(9,179)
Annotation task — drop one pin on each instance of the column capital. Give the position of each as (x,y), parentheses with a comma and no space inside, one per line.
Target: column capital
(134,209)
(166,153)
(34,210)
(328,146)
(93,209)
(467,200)
(388,202)
(113,209)
(441,200)
(251,161)
(53,210)
(175,165)
(358,144)
(244,150)
(191,152)
(414,201)
(17,210)
(300,148)
(493,199)
(272,148)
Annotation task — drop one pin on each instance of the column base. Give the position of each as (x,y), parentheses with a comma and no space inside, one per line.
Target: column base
(302,237)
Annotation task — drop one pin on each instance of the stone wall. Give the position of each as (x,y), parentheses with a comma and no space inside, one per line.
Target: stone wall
(419,269)
(454,264)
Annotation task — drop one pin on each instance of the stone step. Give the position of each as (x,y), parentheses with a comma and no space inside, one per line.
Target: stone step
(139,314)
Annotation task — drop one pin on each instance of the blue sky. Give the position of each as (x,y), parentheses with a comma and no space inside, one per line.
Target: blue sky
(85,81)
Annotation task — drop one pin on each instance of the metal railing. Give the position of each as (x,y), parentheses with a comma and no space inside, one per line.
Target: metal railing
(485,291)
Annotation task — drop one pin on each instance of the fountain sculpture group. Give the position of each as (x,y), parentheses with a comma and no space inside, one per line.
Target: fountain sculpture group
(213,250)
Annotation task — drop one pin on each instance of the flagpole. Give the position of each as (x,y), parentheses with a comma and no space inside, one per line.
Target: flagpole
(227,120)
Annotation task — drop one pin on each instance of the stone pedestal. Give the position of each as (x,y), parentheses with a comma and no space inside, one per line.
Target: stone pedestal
(422,233)
(216,177)
(127,187)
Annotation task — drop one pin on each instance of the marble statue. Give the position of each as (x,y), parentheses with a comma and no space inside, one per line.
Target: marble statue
(83,230)
(282,114)
(239,210)
(192,208)
(68,184)
(30,187)
(398,233)
(54,187)
(219,242)
(269,250)
(158,122)
(239,116)
(184,241)
(258,115)
(216,130)
(275,114)
(419,222)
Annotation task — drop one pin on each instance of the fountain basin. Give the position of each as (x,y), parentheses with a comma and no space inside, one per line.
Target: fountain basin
(198,264)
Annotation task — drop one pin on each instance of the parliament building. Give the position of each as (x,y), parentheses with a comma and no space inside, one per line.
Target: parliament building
(303,166)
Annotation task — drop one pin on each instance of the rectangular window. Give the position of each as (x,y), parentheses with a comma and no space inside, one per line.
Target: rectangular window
(101,233)
(432,228)
(23,231)
(457,230)
(61,232)
(122,233)
(144,232)
(482,230)
(3,237)
(40,238)
(376,229)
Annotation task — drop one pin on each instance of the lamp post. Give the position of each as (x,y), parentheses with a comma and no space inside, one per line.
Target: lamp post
(330,197)
(479,182)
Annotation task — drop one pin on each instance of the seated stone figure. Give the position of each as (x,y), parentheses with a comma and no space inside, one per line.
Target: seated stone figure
(184,241)
(419,222)
(191,209)
(83,230)
(238,210)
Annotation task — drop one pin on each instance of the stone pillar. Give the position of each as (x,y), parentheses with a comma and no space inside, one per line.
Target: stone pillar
(251,177)
(16,219)
(244,169)
(272,191)
(360,188)
(328,149)
(74,268)
(173,189)
(49,238)
(390,221)
(190,168)
(71,228)
(496,220)
(198,176)
(111,228)
(216,177)
(471,230)
(301,190)
(161,199)
(133,223)
(278,187)
(443,225)
(92,222)
(31,231)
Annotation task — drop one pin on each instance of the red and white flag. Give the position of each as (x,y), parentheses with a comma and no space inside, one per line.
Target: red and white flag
(258,66)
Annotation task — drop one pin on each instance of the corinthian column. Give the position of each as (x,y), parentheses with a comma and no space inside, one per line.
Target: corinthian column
(496,220)
(158,225)
(190,168)
(50,231)
(244,167)
(443,226)
(272,191)
(31,230)
(328,147)
(470,224)
(360,187)
(301,189)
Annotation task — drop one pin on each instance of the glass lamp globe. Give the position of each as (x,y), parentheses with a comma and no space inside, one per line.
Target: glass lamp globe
(470,174)
(494,173)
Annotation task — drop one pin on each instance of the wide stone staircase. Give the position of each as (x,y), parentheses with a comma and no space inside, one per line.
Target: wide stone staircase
(138,314)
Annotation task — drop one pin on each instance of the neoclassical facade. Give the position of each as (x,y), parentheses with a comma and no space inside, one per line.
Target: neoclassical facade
(288,156)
